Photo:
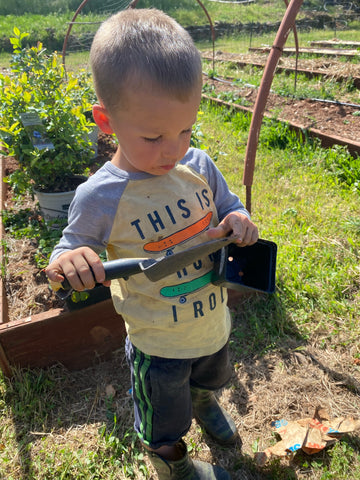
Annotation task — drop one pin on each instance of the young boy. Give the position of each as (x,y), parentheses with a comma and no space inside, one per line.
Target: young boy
(158,196)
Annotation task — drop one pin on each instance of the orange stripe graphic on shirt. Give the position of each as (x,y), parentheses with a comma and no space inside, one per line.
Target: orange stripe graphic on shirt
(179,237)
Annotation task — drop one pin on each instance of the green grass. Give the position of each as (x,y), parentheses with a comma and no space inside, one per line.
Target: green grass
(51,28)
(33,405)
(297,197)
(306,199)
(312,214)
(240,42)
(24,224)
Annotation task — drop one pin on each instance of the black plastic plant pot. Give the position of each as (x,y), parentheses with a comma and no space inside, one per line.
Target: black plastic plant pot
(244,268)
(96,295)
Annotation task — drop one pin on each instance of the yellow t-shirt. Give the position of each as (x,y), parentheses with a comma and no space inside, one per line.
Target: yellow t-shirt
(143,216)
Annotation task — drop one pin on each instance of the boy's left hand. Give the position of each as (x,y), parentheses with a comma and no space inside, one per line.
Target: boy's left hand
(238,225)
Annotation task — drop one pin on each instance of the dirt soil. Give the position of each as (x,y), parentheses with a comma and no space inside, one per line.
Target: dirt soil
(330,67)
(330,118)
(26,285)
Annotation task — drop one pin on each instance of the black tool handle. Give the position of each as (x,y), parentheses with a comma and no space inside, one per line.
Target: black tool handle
(120,268)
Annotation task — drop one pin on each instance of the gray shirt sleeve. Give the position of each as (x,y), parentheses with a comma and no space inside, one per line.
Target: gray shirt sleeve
(225,200)
(92,211)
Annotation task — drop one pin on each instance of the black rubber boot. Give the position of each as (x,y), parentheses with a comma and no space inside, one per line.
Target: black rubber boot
(186,468)
(215,420)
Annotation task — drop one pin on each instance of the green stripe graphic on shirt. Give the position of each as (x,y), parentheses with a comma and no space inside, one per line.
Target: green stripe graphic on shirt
(141,366)
(187,287)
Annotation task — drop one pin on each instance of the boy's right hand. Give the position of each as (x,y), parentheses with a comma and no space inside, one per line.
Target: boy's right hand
(82,267)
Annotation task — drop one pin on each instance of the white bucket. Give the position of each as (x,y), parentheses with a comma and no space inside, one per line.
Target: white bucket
(54,205)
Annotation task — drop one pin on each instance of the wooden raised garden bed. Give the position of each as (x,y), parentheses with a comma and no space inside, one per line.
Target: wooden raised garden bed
(76,338)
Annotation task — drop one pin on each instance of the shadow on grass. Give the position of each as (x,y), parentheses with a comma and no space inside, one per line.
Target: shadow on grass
(260,325)
(265,339)
(50,405)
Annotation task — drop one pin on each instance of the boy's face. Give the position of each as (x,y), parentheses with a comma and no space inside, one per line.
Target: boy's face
(153,130)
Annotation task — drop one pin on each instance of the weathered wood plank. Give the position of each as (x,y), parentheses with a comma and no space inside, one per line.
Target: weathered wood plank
(76,338)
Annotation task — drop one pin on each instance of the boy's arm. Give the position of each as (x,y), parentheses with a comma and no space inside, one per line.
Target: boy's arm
(233,217)
(76,256)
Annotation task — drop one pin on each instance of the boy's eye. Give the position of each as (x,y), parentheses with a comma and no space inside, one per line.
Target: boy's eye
(152,140)
(157,139)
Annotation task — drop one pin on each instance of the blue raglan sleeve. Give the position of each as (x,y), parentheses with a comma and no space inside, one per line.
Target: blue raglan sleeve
(91,215)
(225,200)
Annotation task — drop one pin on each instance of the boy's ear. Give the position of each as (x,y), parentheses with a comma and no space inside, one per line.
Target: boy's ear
(102,119)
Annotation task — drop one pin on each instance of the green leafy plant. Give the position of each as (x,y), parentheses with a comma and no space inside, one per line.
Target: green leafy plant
(38,85)
(26,223)
(124,448)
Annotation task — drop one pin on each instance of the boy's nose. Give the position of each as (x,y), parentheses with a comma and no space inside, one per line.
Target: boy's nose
(171,150)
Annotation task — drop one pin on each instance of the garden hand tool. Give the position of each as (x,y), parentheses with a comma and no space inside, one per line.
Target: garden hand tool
(154,269)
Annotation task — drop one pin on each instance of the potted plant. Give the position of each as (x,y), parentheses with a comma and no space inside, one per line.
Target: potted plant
(45,124)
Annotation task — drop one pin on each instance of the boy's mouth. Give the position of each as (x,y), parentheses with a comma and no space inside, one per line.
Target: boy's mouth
(168,167)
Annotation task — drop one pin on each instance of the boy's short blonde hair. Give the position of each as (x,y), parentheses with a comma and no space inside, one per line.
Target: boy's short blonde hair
(139,47)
